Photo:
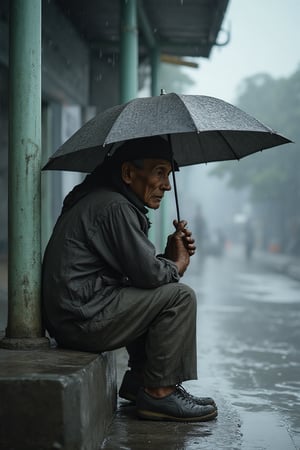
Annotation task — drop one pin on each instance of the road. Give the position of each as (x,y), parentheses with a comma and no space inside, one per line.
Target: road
(248,359)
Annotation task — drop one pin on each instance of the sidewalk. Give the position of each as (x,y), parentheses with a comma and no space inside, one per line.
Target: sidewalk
(128,432)
(248,361)
(284,264)
(63,371)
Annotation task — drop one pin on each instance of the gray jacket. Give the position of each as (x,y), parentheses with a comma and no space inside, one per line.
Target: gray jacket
(98,246)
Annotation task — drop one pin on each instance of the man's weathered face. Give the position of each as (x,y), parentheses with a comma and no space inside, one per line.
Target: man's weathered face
(150,182)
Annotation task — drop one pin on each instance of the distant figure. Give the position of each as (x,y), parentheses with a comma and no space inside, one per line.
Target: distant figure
(249,240)
(220,242)
(201,233)
(293,247)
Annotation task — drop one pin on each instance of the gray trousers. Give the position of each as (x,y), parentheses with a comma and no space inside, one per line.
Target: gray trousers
(157,326)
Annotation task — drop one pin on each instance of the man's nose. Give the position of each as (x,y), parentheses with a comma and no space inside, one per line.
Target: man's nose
(166,185)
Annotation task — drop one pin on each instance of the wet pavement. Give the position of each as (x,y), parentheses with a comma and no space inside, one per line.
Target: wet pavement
(248,359)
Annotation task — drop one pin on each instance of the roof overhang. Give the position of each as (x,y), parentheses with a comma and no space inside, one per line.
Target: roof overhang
(176,27)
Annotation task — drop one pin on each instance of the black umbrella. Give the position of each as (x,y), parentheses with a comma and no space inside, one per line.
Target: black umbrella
(200,129)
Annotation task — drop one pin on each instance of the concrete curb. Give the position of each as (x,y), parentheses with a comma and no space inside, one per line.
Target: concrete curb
(55,399)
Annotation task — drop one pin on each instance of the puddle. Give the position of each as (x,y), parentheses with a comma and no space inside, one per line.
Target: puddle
(268,288)
(265,431)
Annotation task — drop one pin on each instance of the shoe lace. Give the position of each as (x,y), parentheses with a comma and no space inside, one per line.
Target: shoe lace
(181,392)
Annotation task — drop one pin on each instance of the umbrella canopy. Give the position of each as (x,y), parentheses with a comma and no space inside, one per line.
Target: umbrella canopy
(200,129)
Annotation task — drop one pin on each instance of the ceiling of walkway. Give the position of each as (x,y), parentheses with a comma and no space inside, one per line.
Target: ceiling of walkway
(178,27)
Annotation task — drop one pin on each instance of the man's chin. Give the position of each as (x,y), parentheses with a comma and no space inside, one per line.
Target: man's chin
(153,205)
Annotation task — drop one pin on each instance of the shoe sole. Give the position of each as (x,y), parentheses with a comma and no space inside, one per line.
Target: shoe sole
(151,415)
(126,396)
(132,398)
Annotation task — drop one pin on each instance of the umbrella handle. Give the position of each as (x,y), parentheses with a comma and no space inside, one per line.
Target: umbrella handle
(174,180)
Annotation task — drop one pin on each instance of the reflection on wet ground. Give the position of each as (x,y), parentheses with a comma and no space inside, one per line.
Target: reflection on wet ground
(249,360)
(252,320)
(267,288)
(129,433)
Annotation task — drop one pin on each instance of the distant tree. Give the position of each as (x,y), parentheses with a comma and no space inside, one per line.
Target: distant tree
(277,104)
(273,176)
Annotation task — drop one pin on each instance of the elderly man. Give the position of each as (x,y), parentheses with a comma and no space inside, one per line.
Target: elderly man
(104,287)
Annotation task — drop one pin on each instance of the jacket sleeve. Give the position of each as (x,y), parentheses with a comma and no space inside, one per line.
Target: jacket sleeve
(125,248)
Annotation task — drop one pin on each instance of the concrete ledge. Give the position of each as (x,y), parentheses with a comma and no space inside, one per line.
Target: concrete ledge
(55,399)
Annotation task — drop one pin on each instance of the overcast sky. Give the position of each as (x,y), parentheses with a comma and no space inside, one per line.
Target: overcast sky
(265,37)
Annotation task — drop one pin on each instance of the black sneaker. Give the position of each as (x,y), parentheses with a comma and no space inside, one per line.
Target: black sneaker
(132,383)
(204,401)
(175,407)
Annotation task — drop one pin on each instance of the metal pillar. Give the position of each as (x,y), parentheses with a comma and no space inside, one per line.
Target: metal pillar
(155,232)
(155,66)
(128,51)
(46,178)
(162,226)
(24,329)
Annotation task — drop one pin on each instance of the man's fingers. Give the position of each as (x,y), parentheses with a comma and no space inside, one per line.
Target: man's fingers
(179,225)
(187,232)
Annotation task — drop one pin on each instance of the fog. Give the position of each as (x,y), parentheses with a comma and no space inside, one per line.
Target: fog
(262,41)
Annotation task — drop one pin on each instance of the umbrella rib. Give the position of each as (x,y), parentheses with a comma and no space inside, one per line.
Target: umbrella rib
(190,115)
(202,148)
(229,145)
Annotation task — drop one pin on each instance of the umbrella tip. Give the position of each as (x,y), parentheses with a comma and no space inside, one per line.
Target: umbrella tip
(162,92)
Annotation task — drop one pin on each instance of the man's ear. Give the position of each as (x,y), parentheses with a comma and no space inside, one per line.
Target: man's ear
(127,172)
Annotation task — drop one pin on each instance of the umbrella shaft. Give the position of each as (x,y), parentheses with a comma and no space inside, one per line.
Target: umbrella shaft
(174,179)
(175,191)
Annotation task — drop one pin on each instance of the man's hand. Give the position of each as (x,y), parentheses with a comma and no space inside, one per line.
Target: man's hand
(180,246)
(188,240)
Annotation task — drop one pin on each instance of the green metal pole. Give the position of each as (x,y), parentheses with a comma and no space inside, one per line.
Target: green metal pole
(24,328)
(128,51)
(46,178)
(155,90)
(155,66)
(155,232)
